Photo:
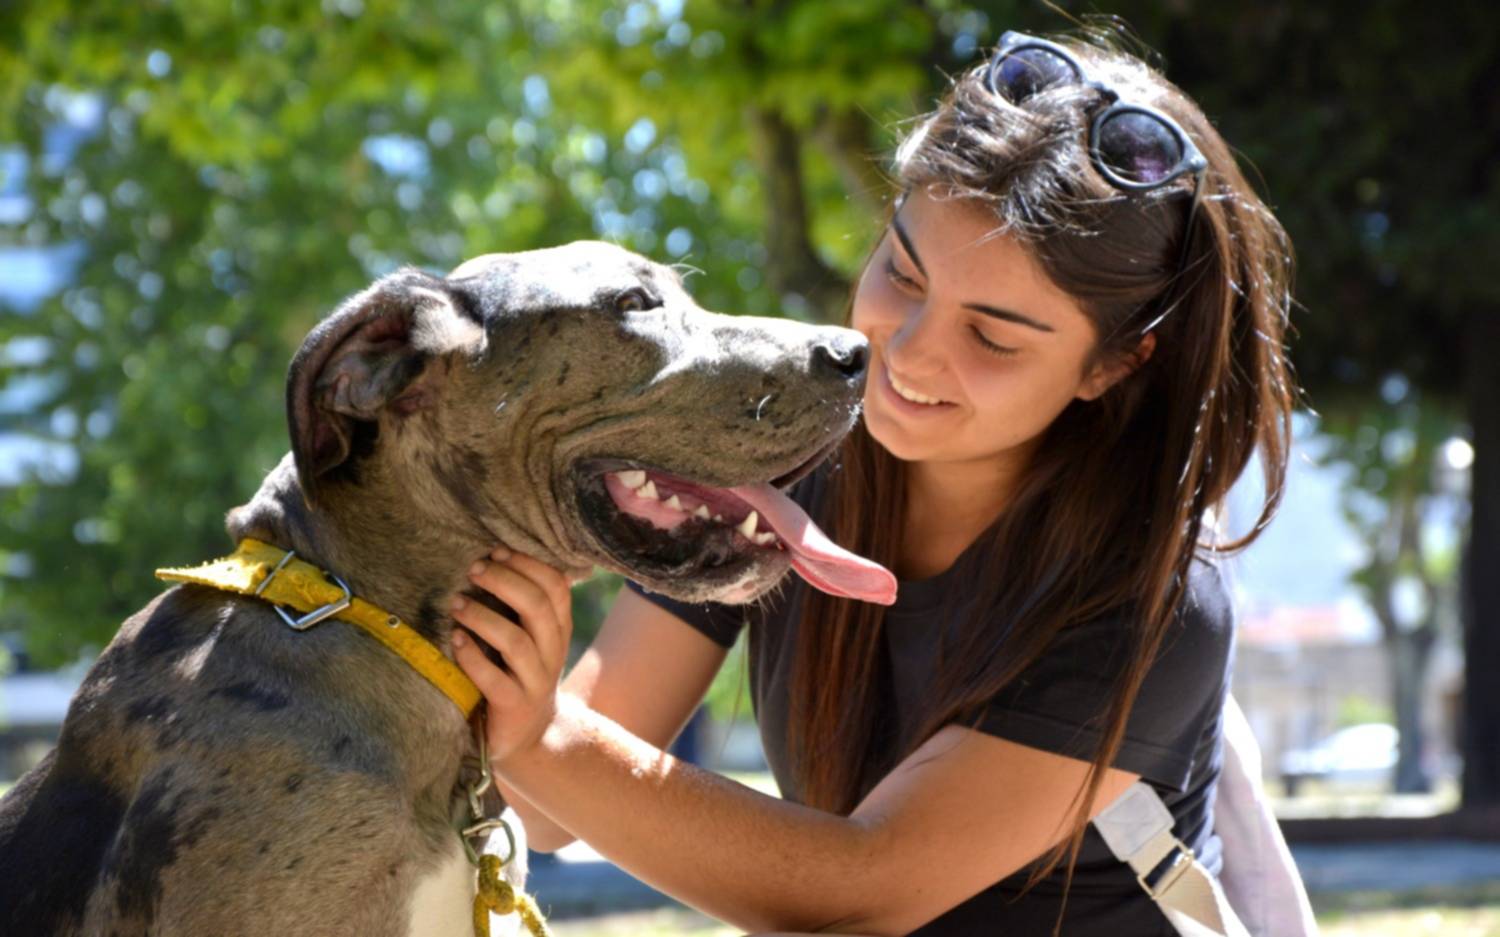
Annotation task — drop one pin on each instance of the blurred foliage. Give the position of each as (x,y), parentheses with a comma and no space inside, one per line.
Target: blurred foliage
(221,172)
(231,170)
(1358,710)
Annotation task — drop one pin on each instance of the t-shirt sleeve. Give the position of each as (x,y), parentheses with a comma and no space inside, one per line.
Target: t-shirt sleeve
(721,623)
(1059,704)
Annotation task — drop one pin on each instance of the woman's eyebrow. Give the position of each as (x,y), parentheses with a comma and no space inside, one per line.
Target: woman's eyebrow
(906,243)
(1004,314)
(1009,316)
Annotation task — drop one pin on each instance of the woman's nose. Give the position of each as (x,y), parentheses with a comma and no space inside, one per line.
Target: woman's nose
(915,348)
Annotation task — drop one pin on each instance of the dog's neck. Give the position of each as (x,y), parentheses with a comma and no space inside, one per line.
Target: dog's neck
(403,563)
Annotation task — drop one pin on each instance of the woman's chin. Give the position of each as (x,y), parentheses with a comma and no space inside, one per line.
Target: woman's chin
(898,440)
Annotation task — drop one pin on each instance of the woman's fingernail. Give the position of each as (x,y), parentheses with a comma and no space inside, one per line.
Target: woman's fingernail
(477,568)
(459,639)
(500,553)
(457,603)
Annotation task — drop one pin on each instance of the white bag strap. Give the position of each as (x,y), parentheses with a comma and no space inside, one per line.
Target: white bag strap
(1137,828)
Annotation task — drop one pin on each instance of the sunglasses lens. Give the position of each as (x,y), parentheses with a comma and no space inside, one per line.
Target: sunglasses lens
(1138,147)
(1019,75)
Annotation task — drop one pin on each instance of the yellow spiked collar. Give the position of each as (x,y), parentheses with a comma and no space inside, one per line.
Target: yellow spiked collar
(276,575)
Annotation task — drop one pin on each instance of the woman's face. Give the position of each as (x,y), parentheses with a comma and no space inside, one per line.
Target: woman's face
(974,351)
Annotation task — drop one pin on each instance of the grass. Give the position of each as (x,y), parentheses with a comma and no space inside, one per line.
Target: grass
(1449,912)
(665,922)
(1472,911)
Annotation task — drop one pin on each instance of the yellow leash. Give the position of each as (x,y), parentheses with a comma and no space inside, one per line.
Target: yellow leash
(276,575)
(499,896)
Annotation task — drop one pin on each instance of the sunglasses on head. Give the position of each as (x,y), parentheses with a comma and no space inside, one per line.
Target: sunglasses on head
(1134,147)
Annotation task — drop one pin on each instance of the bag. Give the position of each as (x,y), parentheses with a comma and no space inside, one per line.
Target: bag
(1259,875)
(1258,868)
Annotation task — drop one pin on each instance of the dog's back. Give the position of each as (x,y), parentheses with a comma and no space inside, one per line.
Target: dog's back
(150,819)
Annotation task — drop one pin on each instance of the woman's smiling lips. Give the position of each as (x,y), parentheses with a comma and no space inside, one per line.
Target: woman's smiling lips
(905,405)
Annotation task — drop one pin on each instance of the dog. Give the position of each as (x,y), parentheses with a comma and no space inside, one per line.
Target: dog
(220,773)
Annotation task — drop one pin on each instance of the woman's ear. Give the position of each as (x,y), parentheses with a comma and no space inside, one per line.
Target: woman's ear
(1107,373)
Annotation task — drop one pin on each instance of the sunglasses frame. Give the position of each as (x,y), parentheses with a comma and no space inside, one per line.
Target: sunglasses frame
(1192,160)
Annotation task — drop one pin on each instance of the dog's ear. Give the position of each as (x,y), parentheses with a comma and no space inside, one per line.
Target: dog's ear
(371,356)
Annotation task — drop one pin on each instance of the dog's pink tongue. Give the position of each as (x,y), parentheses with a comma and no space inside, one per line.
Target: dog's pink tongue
(823,563)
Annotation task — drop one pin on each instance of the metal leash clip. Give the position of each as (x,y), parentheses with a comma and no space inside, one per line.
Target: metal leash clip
(482,824)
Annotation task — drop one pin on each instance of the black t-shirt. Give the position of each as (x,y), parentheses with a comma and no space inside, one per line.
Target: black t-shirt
(1172,739)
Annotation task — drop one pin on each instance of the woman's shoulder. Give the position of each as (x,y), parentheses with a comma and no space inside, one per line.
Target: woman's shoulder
(1208,603)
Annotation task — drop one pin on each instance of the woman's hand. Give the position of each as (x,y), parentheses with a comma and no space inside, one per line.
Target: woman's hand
(523,701)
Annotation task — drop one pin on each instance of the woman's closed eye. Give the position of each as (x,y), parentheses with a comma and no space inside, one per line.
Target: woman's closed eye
(899,278)
(1001,350)
(902,281)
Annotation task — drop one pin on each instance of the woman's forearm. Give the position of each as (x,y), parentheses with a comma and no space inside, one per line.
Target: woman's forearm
(744,857)
(542,833)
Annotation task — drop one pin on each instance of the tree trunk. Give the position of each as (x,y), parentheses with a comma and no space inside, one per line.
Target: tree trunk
(1408,653)
(1481,710)
(844,135)
(793,268)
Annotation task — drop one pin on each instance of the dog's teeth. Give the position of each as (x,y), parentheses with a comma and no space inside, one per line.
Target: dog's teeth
(765,538)
(701,512)
(674,503)
(648,490)
(747,526)
(719,518)
(631,479)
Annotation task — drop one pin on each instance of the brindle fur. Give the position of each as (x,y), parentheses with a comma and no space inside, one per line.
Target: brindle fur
(219,774)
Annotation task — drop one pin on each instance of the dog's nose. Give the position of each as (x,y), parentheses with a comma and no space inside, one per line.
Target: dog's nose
(843,356)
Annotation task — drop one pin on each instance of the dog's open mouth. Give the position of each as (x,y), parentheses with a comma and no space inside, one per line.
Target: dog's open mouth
(670,526)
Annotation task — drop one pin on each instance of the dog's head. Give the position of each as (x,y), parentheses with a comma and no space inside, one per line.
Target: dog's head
(576,404)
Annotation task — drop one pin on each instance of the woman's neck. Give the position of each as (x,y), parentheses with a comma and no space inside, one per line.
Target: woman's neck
(948,505)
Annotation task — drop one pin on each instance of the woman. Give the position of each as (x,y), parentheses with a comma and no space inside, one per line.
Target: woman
(1075,318)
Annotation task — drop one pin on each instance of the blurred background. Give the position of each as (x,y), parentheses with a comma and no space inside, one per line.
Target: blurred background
(186,187)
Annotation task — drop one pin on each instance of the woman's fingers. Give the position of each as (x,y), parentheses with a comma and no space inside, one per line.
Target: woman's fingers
(499,687)
(552,581)
(531,604)
(534,647)
(515,645)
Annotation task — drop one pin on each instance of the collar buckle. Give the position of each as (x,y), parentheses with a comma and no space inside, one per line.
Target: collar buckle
(316,615)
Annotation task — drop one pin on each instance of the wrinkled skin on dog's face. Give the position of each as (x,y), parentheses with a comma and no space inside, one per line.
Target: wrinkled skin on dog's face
(576,404)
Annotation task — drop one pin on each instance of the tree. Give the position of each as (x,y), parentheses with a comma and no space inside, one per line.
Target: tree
(1396,460)
(227,180)
(1395,217)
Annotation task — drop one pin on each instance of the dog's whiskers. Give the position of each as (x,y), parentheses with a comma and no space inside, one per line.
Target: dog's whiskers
(685,268)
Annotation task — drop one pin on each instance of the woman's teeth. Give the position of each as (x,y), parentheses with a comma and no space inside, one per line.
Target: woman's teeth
(908,394)
(644,488)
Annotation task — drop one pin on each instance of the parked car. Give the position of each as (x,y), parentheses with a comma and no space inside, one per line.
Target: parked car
(1358,756)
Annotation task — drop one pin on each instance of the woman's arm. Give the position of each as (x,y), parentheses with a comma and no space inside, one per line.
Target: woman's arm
(962,812)
(647,671)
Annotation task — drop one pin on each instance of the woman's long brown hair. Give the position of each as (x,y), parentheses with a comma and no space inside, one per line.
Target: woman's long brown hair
(1112,508)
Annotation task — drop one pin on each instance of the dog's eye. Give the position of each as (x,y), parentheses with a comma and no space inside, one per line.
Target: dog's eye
(635,300)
